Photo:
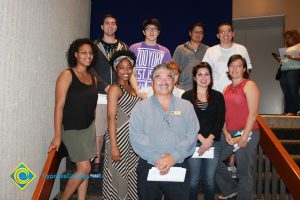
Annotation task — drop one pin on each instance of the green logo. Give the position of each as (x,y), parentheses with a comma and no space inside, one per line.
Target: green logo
(22,176)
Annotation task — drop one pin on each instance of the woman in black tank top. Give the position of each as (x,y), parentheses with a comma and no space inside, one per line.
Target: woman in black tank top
(75,103)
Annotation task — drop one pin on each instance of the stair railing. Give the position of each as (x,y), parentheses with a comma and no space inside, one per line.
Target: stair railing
(44,185)
(276,165)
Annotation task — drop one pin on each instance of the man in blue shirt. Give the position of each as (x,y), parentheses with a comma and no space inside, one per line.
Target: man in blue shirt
(163,132)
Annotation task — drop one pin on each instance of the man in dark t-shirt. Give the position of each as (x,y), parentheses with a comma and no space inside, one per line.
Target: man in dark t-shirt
(106,74)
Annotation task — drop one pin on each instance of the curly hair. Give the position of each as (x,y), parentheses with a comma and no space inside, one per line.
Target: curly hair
(120,53)
(74,47)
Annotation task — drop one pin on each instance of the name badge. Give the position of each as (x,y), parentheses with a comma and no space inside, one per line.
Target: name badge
(177,112)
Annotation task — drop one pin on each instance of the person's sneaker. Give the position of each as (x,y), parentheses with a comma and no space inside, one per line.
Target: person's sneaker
(298,113)
(232,171)
(230,196)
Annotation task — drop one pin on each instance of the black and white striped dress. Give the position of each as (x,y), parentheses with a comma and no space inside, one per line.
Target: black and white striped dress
(120,178)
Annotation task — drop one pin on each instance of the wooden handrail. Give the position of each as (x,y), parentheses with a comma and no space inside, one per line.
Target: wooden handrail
(44,186)
(285,166)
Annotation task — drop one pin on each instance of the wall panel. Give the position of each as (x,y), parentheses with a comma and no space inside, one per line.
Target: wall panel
(34,36)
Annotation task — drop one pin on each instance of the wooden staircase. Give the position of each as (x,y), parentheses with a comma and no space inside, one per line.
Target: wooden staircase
(278,173)
(287,130)
(290,139)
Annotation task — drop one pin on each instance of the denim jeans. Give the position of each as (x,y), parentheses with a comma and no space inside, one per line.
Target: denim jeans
(290,84)
(204,169)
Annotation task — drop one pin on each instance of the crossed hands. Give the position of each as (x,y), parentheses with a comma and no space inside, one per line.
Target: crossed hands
(165,163)
(205,145)
(242,140)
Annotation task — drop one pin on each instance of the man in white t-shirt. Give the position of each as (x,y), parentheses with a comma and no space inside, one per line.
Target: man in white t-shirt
(217,56)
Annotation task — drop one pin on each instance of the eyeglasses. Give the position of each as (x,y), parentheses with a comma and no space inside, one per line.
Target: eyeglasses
(151,29)
(85,53)
(198,32)
(225,31)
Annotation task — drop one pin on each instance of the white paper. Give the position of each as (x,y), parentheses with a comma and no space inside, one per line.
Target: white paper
(207,154)
(175,174)
(282,52)
(102,99)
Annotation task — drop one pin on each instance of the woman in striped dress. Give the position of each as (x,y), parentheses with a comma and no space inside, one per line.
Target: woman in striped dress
(120,161)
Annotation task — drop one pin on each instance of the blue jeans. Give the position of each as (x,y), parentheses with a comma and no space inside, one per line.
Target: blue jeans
(290,84)
(204,169)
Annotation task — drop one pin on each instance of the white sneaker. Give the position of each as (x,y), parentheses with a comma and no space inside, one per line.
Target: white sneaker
(230,196)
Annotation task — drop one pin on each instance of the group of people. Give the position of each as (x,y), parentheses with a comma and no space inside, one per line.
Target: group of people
(154,110)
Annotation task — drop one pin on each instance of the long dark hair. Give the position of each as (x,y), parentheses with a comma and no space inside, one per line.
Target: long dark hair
(209,88)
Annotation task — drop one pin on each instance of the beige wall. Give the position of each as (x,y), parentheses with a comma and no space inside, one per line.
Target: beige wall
(258,8)
(34,36)
(255,8)
(292,15)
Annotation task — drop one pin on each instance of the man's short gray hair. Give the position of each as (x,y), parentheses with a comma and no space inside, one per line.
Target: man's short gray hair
(162,66)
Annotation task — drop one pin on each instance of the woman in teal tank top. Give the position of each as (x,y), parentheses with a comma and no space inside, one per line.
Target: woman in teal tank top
(290,73)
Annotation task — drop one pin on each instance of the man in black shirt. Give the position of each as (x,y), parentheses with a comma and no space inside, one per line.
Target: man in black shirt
(106,74)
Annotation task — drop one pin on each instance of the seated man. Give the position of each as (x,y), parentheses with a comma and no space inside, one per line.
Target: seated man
(163,132)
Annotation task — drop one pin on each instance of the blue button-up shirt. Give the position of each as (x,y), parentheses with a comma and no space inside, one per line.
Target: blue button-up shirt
(154,133)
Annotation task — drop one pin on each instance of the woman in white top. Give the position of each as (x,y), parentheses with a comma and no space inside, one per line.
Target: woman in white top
(290,73)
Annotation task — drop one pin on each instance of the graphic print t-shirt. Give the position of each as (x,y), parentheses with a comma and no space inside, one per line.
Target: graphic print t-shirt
(147,57)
